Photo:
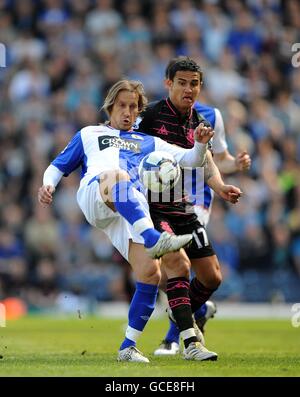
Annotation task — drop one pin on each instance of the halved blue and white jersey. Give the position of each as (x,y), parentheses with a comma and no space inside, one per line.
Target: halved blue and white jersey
(219,145)
(101,148)
(213,115)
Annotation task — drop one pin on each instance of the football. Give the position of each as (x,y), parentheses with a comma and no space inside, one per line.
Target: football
(159,171)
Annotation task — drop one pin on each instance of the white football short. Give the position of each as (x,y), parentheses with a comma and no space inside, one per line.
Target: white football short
(98,214)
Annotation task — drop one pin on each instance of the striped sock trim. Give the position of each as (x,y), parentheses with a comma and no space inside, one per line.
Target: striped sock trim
(187,333)
(132,333)
(142,224)
(172,285)
(179,301)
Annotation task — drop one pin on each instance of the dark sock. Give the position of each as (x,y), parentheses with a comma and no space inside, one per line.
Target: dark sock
(199,294)
(179,302)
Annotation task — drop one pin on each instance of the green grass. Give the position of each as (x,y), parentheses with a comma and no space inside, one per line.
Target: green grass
(42,346)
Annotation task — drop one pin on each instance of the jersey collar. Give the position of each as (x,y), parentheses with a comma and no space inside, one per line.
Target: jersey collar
(174,110)
(121,131)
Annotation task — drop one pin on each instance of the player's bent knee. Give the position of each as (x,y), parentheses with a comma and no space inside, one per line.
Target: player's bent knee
(122,175)
(114,176)
(108,179)
(176,264)
(219,278)
(215,281)
(182,266)
(151,274)
(163,280)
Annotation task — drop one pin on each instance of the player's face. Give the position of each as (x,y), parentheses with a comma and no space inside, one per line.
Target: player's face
(124,111)
(184,90)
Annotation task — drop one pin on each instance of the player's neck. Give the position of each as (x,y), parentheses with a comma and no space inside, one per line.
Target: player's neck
(183,111)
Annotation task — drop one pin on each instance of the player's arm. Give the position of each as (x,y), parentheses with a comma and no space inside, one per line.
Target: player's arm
(194,157)
(225,161)
(65,163)
(229,164)
(214,180)
(51,178)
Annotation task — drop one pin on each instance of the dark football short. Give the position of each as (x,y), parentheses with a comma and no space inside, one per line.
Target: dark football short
(200,246)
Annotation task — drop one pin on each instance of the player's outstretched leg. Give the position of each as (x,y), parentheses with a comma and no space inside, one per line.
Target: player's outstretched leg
(131,205)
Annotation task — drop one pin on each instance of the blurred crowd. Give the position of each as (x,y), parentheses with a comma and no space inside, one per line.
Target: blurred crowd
(62,55)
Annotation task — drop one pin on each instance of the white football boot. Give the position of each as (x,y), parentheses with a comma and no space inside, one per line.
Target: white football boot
(132,354)
(197,352)
(168,243)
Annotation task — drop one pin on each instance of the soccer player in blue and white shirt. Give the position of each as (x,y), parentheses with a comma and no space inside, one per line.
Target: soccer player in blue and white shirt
(224,160)
(110,196)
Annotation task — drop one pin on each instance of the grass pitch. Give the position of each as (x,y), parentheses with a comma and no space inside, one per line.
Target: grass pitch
(42,346)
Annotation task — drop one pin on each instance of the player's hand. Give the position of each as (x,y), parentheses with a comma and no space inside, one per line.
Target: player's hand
(230,193)
(45,195)
(203,133)
(243,161)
